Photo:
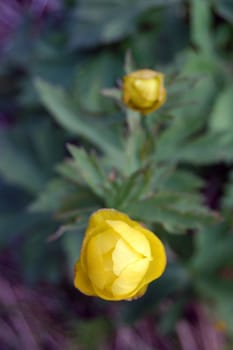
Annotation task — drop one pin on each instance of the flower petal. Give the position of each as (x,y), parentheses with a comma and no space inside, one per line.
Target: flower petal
(133,237)
(122,256)
(98,264)
(159,259)
(81,280)
(106,241)
(148,90)
(99,218)
(139,293)
(95,264)
(130,278)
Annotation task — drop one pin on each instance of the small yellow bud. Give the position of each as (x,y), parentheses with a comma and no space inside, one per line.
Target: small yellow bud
(143,90)
(119,257)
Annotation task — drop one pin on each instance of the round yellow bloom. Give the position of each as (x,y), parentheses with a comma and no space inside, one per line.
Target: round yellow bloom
(143,90)
(119,257)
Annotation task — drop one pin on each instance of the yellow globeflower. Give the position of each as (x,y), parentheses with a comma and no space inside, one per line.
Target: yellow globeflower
(119,257)
(143,90)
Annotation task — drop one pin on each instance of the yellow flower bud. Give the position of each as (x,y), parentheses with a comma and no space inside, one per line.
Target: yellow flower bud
(119,257)
(143,90)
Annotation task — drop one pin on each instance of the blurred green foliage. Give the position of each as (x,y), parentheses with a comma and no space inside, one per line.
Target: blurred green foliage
(67,149)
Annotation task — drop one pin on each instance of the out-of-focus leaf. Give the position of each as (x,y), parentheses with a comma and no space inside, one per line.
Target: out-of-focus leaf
(13,225)
(52,197)
(227,201)
(64,112)
(27,154)
(179,181)
(217,146)
(198,86)
(18,165)
(222,117)
(225,9)
(159,21)
(91,78)
(200,24)
(40,260)
(69,202)
(177,212)
(183,134)
(182,245)
(12,198)
(72,242)
(135,144)
(219,292)
(68,171)
(174,137)
(107,21)
(91,334)
(213,249)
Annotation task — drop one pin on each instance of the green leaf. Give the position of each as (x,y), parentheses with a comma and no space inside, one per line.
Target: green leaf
(134,144)
(89,169)
(169,178)
(52,197)
(221,118)
(91,79)
(172,140)
(28,153)
(217,147)
(68,171)
(69,202)
(201,24)
(17,161)
(227,200)
(177,212)
(181,181)
(64,112)
(108,21)
(127,190)
(207,261)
